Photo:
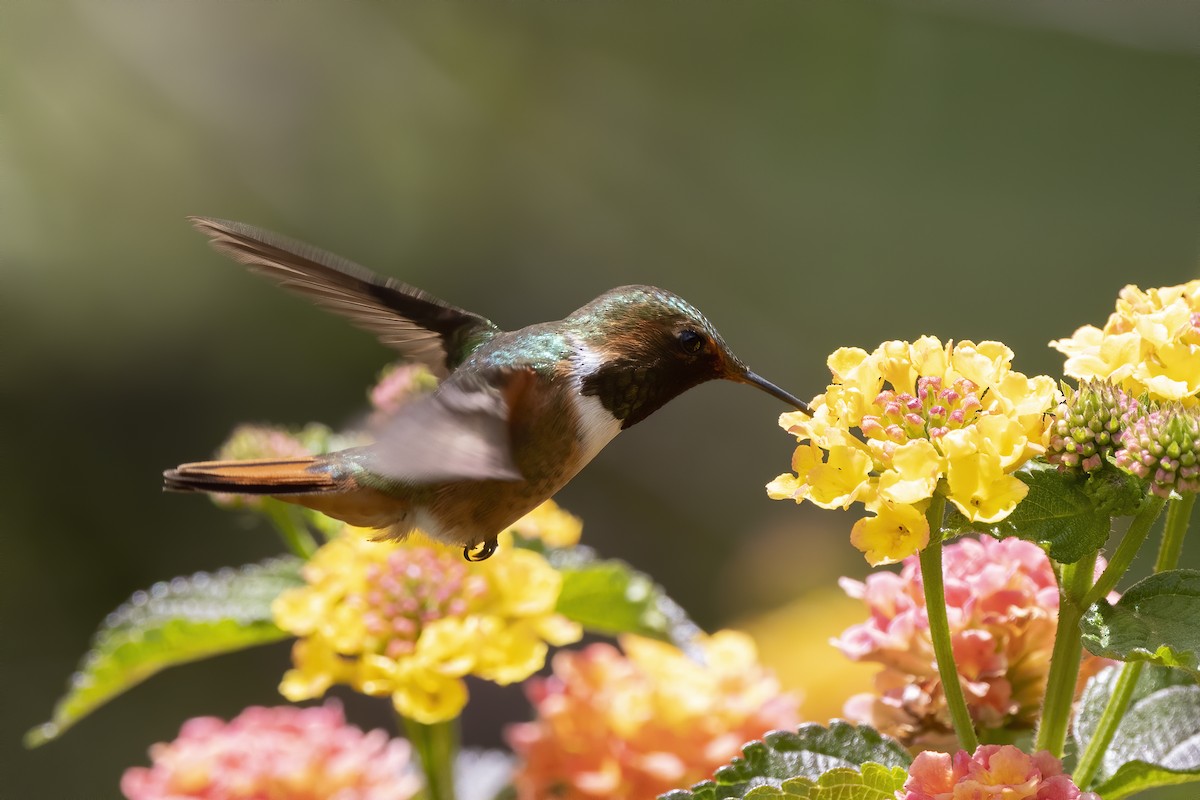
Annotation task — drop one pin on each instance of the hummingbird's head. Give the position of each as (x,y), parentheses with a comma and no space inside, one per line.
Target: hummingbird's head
(646,346)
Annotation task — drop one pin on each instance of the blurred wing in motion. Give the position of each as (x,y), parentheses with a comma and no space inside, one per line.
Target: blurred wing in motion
(461,432)
(422,327)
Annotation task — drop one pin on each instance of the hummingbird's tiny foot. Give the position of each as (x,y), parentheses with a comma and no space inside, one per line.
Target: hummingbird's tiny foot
(485,551)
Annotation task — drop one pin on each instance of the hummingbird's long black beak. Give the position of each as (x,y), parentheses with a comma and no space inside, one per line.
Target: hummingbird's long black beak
(773,390)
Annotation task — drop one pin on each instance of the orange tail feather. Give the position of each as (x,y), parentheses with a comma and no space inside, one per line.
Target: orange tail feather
(293,480)
(274,476)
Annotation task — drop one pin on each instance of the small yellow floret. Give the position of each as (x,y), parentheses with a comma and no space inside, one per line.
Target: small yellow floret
(894,533)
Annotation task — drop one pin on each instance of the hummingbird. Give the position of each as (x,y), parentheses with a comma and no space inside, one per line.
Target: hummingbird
(515,415)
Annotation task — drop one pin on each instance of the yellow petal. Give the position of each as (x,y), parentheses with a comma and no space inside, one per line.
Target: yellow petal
(298,610)
(524,584)
(916,467)
(558,630)
(317,668)
(806,457)
(451,644)
(1114,358)
(378,675)
(1002,436)
(959,443)
(1084,339)
(1174,371)
(838,482)
(896,365)
(298,685)
(929,357)
(552,524)
(428,697)
(856,383)
(984,364)
(1161,327)
(845,361)
(896,532)
(510,655)
(789,419)
(981,490)
(786,487)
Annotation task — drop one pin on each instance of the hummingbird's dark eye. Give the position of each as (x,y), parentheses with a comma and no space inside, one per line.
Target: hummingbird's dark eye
(691,341)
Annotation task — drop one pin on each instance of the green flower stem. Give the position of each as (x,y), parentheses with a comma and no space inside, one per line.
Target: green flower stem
(294,534)
(1179,513)
(939,626)
(1074,583)
(437,746)
(1139,529)
(1106,728)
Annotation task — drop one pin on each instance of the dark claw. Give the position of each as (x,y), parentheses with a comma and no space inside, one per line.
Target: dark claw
(485,551)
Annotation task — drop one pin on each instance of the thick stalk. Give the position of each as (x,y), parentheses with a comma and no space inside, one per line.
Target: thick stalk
(1074,584)
(437,746)
(1139,529)
(1106,728)
(939,627)
(294,534)
(1179,513)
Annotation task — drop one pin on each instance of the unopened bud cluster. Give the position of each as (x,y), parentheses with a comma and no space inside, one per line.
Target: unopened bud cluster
(1088,424)
(1163,447)
(933,411)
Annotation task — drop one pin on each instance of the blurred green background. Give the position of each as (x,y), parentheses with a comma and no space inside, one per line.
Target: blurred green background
(810,174)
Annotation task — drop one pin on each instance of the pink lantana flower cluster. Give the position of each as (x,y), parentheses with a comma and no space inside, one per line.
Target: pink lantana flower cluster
(398,384)
(630,726)
(1003,609)
(993,772)
(284,752)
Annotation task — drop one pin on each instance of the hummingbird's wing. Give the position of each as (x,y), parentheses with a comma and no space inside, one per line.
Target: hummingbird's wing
(419,325)
(462,431)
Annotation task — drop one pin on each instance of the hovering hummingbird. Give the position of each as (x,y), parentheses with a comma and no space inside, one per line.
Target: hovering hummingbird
(516,415)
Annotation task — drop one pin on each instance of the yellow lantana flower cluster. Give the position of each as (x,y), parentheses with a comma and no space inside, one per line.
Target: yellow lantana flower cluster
(953,418)
(1150,344)
(410,619)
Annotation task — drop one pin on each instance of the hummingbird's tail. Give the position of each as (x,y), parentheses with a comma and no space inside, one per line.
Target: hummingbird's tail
(309,481)
(279,476)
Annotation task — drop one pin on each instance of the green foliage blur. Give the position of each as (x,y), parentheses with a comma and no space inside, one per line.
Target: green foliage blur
(810,174)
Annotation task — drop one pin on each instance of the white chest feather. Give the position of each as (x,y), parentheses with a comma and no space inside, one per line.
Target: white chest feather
(597,425)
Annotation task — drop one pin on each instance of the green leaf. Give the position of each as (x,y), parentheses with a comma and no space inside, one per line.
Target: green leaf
(610,597)
(1137,776)
(1100,688)
(874,782)
(1158,740)
(785,764)
(1057,514)
(1154,621)
(172,623)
